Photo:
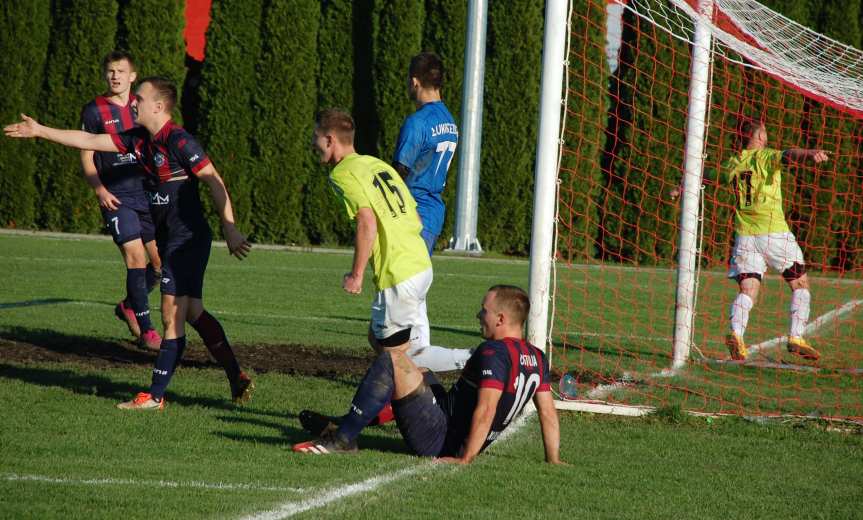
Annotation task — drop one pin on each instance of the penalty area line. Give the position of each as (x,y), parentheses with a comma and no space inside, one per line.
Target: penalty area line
(220,486)
(330,495)
(811,327)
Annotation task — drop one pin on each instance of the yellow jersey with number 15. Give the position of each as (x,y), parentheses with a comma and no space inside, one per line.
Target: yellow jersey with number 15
(756,177)
(399,252)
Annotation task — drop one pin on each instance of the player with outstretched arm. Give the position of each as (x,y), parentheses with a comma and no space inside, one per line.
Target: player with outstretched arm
(177,163)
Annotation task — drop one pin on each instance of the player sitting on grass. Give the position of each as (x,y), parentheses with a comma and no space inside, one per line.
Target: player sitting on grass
(176,162)
(118,181)
(501,376)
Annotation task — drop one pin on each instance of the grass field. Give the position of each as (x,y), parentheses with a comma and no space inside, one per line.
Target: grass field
(66,452)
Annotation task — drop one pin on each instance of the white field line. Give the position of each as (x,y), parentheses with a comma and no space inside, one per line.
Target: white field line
(602,391)
(811,327)
(336,494)
(443,256)
(221,486)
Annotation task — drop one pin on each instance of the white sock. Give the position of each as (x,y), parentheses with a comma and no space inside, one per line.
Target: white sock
(439,359)
(799,311)
(740,308)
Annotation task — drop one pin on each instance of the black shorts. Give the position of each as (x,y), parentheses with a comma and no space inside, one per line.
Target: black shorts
(183,237)
(423,419)
(131,220)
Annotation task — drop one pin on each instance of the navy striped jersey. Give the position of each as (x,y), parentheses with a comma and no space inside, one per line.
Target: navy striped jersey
(426,145)
(171,153)
(120,173)
(511,365)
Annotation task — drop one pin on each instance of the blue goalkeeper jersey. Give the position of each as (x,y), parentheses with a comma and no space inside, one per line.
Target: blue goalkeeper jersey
(426,145)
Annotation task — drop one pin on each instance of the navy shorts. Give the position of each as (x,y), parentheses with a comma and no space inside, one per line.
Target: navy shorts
(183,237)
(422,417)
(131,220)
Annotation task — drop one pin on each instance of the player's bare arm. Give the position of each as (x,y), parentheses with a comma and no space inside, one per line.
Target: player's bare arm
(107,199)
(367,231)
(483,415)
(798,155)
(550,426)
(28,128)
(236,241)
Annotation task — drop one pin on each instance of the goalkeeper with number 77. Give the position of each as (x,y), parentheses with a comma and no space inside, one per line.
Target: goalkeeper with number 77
(762,236)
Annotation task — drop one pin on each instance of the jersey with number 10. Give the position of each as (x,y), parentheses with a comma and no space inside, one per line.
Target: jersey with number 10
(756,177)
(426,145)
(513,366)
(363,181)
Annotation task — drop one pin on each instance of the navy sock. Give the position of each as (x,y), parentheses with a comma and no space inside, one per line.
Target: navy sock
(154,277)
(169,357)
(374,392)
(136,295)
(213,336)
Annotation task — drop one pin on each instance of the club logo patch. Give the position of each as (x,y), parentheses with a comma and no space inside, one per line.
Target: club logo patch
(159,159)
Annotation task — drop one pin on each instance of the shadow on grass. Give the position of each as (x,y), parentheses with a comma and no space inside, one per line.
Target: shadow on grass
(292,433)
(33,303)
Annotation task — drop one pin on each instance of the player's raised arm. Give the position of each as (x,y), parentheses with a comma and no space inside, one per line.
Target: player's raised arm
(798,155)
(550,426)
(237,243)
(28,128)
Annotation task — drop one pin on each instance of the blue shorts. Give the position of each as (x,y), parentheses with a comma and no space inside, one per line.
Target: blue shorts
(131,220)
(422,417)
(430,239)
(183,237)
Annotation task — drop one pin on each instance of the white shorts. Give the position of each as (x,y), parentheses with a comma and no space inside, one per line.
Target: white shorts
(753,254)
(401,306)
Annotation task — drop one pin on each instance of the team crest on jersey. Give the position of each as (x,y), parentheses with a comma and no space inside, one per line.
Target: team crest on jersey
(159,159)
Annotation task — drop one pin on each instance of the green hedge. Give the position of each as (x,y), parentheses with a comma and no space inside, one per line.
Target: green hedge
(271,64)
(228,80)
(638,222)
(22,77)
(152,30)
(284,108)
(510,121)
(581,175)
(83,32)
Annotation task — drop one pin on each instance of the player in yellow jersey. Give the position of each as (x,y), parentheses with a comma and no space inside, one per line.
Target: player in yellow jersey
(762,237)
(387,231)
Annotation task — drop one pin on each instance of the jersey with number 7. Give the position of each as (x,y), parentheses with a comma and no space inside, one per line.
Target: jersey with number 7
(363,181)
(756,178)
(426,145)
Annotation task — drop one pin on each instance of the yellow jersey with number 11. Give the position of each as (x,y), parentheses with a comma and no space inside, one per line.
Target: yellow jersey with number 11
(399,252)
(756,177)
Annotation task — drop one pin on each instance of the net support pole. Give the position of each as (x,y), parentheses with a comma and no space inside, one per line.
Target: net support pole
(692,177)
(545,180)
(464,237)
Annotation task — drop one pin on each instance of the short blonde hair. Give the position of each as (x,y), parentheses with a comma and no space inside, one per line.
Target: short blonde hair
(338,122)
(511,300)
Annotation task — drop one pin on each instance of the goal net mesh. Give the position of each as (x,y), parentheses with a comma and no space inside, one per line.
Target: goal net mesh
(617,226)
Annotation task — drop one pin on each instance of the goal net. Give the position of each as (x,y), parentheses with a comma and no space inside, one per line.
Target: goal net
(618,228)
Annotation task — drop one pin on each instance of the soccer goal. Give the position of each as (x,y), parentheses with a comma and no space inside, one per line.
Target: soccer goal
(631,281)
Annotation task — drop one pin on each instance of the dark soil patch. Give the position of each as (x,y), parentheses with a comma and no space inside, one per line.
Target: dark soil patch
(29,346)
